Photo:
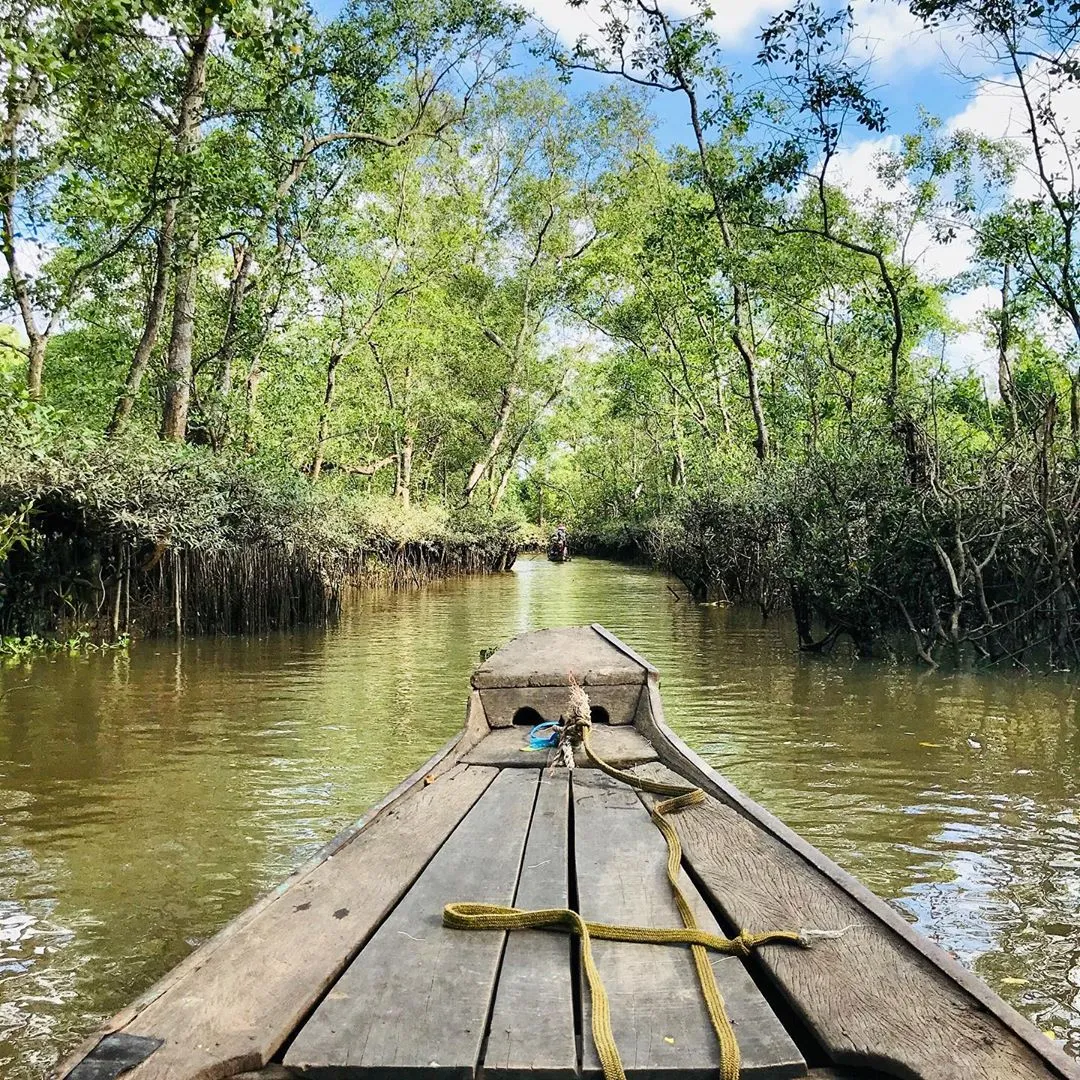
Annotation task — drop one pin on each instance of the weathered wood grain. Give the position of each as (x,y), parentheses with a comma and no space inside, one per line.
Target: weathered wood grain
(532,1024)
(237,1009)
(658,1015)
(271,1072)
(509,748)
(546,657)
(870,999)
(625,649)
(415,1002)
(443,760)
(501,704)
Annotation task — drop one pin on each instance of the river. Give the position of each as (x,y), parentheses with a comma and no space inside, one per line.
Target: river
(147,797)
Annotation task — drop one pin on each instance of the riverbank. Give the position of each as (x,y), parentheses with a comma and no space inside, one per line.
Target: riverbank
(966,561)
(103,538)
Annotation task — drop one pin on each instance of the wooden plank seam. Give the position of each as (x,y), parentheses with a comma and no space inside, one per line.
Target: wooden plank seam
(502,952)
(283,1049)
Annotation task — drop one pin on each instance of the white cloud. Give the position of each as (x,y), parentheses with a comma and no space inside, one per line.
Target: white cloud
(569,23)
(967,307)
(889,34)
(997,110)
(970,348)
(934,258)
(30,256)
(884,29)
(734,21)
(855,168)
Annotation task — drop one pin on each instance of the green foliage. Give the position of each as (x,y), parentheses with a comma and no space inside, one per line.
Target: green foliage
(387,300)
(22,649)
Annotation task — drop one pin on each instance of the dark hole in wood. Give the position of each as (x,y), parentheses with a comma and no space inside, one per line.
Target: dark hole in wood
(527,715)
(599,715)
(115,1054)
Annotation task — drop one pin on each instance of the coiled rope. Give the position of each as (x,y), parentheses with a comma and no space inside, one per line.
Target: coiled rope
(574,732)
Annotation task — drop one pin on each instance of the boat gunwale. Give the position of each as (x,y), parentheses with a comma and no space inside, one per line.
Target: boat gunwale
(672,751)
(444,758)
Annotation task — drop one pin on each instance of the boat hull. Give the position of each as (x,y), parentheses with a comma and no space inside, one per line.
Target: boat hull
(346,969)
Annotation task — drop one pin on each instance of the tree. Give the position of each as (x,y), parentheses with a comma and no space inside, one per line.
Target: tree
(57,207)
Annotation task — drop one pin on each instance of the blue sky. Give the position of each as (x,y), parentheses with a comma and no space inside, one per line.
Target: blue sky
(912,70)
(911,66)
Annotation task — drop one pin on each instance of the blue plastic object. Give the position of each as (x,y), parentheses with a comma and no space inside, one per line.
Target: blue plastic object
(544,735)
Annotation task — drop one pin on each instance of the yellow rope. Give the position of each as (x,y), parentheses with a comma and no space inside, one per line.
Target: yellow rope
(495,917)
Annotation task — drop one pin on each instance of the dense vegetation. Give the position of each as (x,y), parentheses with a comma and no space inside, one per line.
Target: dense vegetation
(288,296)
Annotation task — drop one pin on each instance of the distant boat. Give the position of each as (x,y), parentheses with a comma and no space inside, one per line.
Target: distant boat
(558,550)
(387,956)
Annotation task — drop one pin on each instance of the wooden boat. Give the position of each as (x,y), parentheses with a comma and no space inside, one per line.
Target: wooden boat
(347,969)
(558,552)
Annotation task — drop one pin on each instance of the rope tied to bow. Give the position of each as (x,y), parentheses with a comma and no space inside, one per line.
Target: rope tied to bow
(574,730)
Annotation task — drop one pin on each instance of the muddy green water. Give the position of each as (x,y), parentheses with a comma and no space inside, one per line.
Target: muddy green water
(147,798)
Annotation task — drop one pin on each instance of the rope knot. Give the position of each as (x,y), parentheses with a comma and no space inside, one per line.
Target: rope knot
(743,945)
(578,718)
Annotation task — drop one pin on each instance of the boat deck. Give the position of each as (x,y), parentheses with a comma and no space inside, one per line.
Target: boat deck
(348,971)
(420,994)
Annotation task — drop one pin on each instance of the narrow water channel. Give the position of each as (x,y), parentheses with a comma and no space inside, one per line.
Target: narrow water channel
(147,798)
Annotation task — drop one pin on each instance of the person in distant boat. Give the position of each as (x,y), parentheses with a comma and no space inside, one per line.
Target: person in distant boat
(562,542)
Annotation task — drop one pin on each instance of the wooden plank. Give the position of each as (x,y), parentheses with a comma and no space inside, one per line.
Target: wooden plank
(415,1002)
(621,645)
(546,657)
(509,748)
(658,1015)
(870,999)
(443,760)
(237,1009)
(532,1024)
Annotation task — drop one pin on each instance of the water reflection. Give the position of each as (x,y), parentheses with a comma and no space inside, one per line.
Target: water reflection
(146,799)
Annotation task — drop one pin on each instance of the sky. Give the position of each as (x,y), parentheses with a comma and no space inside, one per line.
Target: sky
(913,71)
(912,66)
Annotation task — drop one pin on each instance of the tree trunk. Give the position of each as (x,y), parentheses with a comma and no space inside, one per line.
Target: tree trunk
(761,442)
(237,289)
(739,298)
(1005,383)
(251,392)
(35,368)
(405,483)
(483,463)
(324,416)
(678,464)
(155,314)
(508,472)
(515,449)
(181,341)
(17,109)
